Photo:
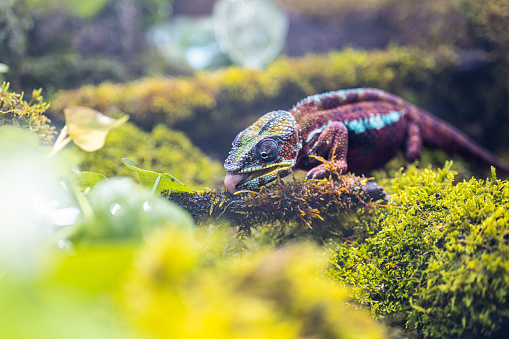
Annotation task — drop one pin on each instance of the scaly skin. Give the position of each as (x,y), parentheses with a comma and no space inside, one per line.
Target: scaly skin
(359,129)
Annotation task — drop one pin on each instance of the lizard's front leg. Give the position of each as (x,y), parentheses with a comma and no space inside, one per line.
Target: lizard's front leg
(414,142)
(333,141)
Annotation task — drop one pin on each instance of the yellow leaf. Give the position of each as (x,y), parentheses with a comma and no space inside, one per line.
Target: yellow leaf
(88,128)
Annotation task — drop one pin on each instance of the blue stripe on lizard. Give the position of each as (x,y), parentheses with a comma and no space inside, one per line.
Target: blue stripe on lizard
(375,121)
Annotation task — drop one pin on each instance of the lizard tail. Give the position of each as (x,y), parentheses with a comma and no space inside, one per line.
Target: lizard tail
(437,133)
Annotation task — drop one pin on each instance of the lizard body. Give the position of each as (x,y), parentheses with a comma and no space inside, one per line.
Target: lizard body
(359,129)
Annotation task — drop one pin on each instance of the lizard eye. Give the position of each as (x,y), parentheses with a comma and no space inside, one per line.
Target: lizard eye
(267,150)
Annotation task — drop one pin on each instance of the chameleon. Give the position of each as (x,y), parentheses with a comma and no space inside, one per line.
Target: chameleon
(358,130)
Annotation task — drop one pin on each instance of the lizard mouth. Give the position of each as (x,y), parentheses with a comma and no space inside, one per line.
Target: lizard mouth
(235,181)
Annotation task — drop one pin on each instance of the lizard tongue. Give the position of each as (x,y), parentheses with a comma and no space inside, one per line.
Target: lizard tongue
(231,180)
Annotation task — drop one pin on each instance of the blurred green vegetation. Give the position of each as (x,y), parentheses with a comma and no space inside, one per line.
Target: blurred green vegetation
(467,24)
(452,61)
(57,44)
(269,294)
(489,20)
(174,285)
(212,107)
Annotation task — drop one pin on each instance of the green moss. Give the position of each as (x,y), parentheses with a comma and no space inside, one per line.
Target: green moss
(438,258)
(16,111)
(163,150)
(464,290)
(434,158)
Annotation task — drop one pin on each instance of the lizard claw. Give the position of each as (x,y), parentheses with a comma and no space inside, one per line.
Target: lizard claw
(315,173)
(324,170)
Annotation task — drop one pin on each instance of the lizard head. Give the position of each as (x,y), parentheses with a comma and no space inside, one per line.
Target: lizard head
(262,152)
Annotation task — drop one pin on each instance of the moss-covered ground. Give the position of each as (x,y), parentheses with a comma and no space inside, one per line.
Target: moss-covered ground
(437,259)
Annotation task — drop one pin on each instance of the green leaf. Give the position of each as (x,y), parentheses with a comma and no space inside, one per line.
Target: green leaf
(157,181)
(85,181)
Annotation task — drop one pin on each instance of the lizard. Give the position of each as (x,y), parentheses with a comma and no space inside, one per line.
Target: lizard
(357,129)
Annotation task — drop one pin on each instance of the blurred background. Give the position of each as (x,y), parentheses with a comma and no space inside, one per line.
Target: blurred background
(209,68)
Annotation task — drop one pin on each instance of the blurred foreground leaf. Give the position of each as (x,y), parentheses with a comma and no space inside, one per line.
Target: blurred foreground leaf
(122,210)
(33,203)
(85,181)
(106,263)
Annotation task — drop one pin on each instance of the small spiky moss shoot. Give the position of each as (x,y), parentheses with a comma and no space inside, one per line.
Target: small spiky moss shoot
(16,111)
(314,205)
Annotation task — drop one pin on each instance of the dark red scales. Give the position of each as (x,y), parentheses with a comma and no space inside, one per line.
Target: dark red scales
(372,140)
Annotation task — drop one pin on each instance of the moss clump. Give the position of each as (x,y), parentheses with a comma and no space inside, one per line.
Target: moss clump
(179,289)
(16,111)
(163,150)
(464,291)
(439,259)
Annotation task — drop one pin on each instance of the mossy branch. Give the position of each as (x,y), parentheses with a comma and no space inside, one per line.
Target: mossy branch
(309,203)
